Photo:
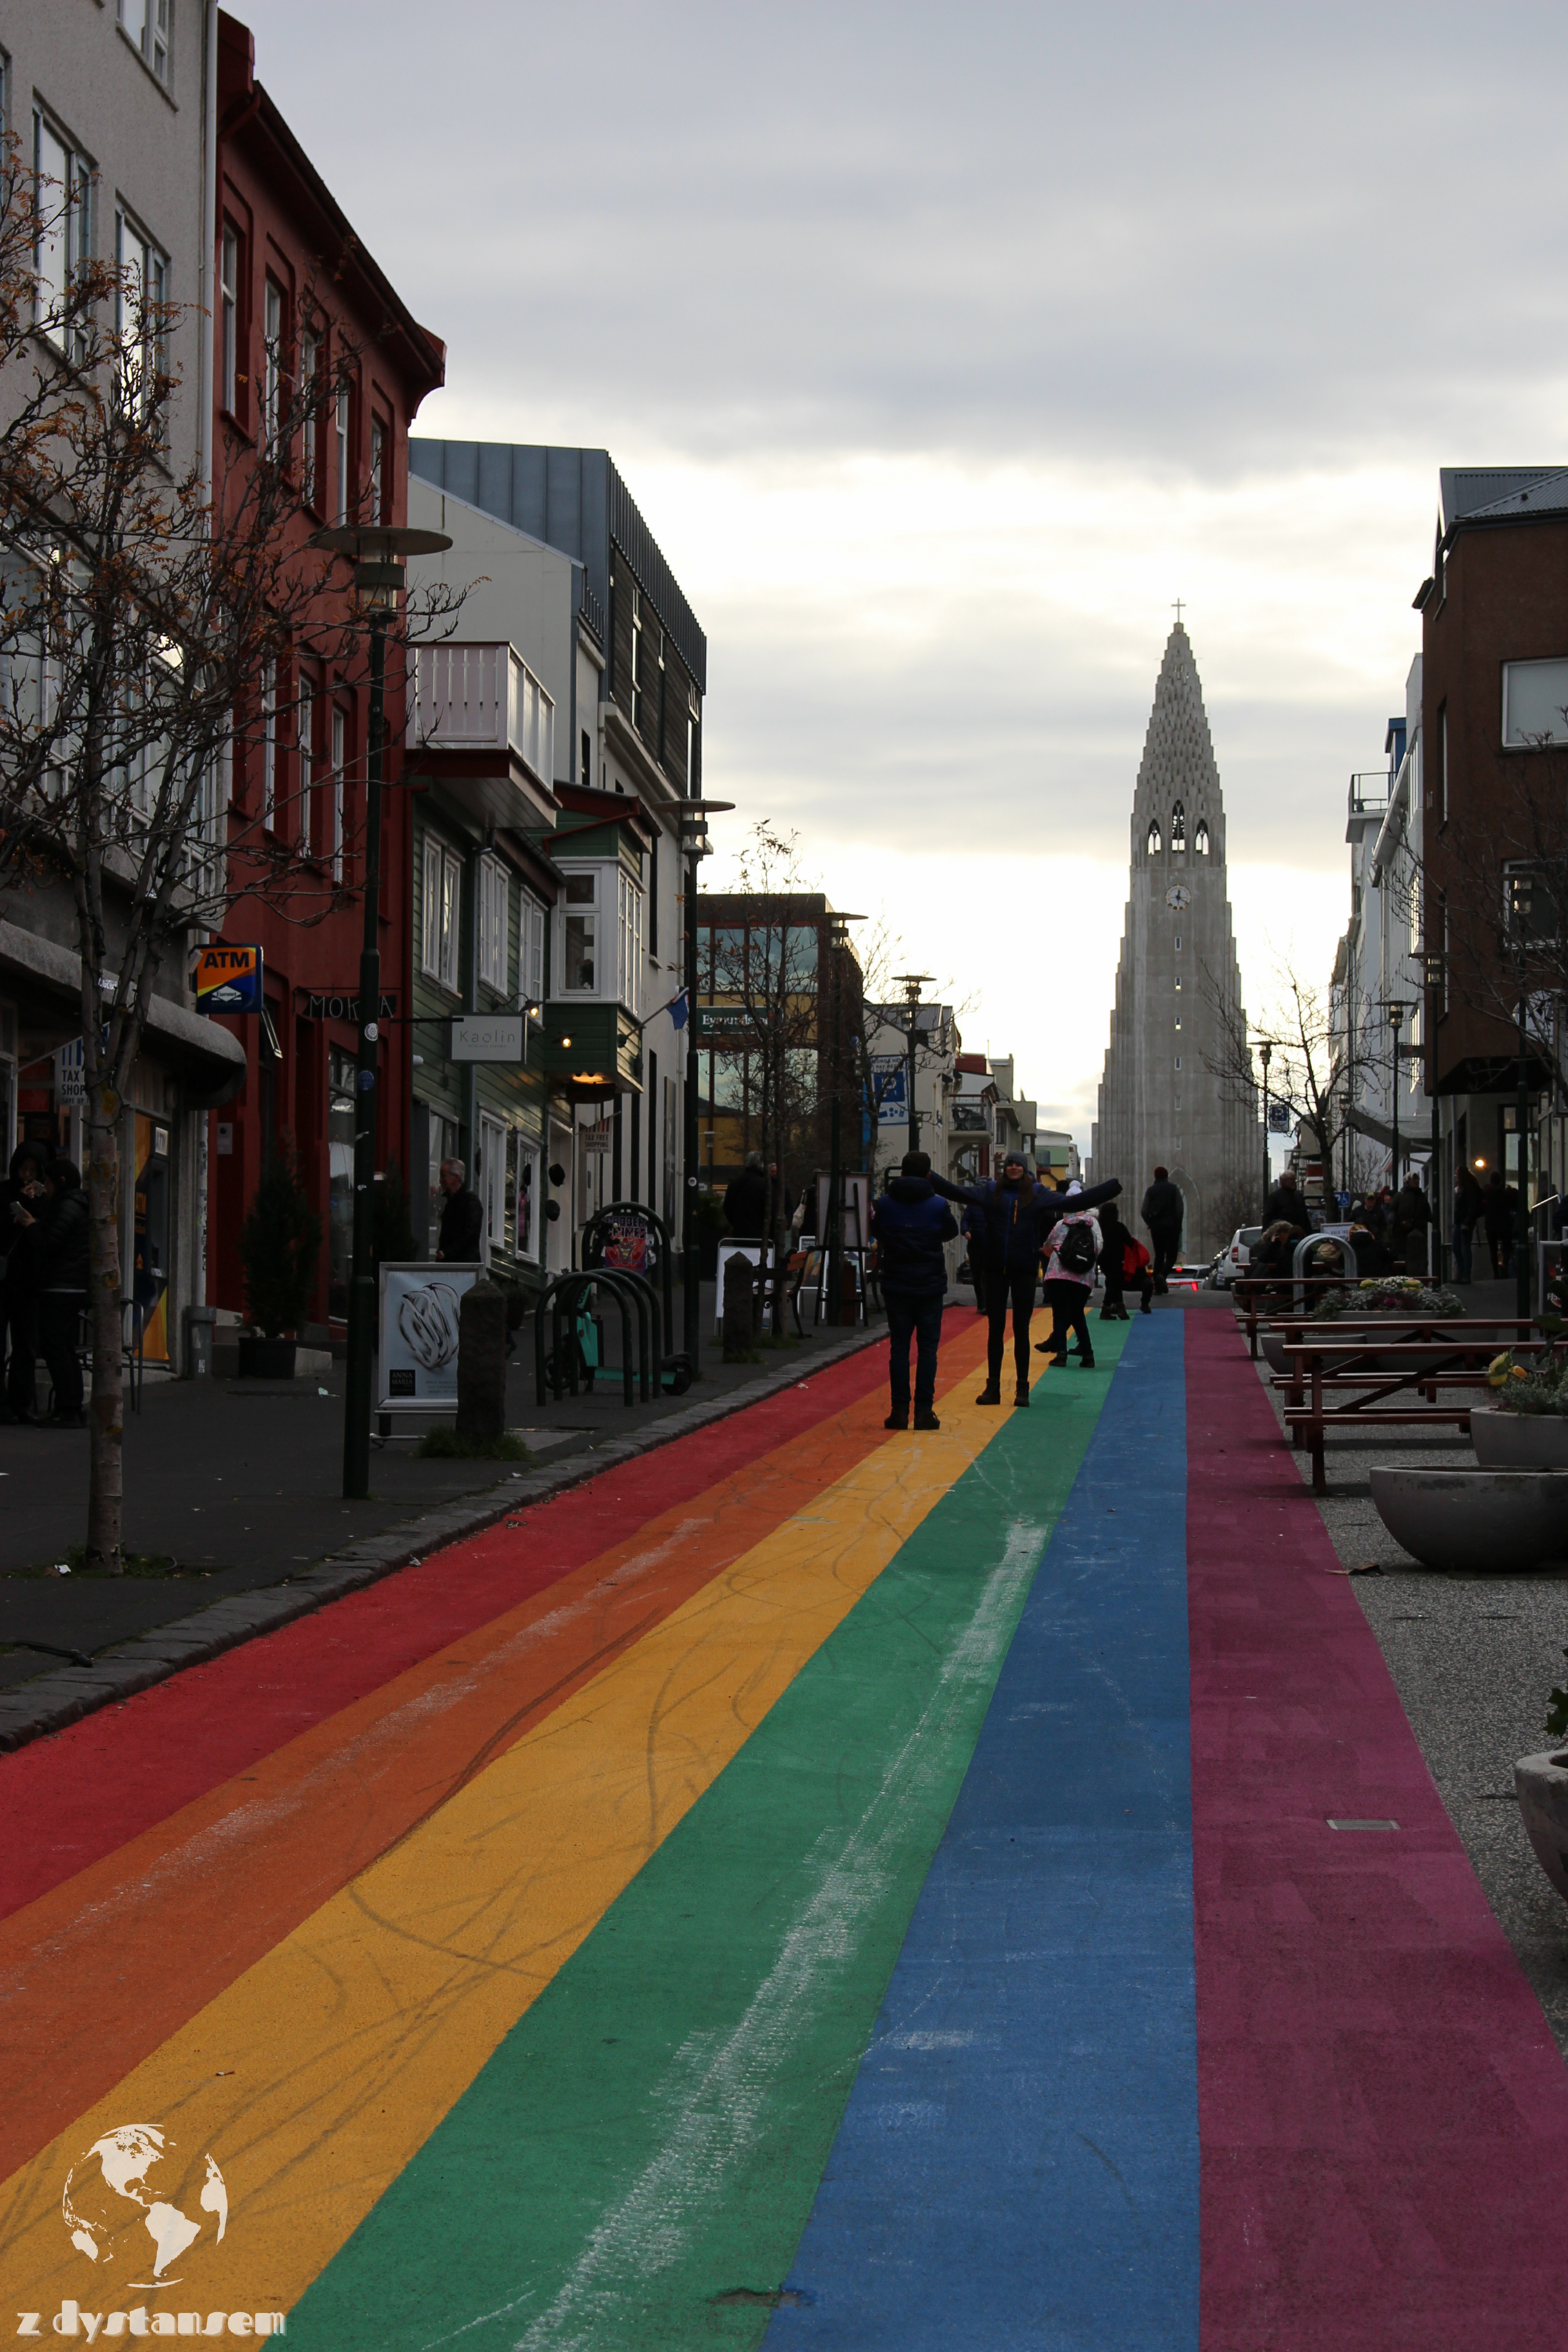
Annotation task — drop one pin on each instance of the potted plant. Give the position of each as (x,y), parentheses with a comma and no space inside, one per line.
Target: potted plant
(1397,1295)
(279,1244)
(1525,1427)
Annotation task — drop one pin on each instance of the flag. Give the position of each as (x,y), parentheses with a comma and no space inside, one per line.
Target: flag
(678,1011)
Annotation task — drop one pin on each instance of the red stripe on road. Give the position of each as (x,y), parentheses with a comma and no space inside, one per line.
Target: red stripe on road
(87,1790)
(1383,2113)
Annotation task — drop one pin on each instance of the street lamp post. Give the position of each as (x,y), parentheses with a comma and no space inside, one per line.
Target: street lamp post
(379,556)
(1265,1055)
(1396,1013)
(832,1239)
(911,983)
(695,845)
(1521,1248)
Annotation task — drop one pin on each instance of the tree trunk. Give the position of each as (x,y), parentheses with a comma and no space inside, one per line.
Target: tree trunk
(106,1414)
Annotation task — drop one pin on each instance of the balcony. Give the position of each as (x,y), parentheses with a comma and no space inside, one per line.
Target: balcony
(481,724)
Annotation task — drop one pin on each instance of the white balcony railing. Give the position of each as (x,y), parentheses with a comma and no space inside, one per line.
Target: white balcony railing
(482,698)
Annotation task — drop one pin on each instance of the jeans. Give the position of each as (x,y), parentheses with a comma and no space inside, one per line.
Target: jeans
(1068,1302)
(1462,1236)
(1007,1285)
(918,1319)
(1167,1251)
(1501,1248)
(59,1324)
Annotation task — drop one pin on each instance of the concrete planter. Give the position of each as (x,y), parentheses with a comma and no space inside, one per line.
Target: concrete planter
(1519,1440)
(1541,1784)
(1489,1522)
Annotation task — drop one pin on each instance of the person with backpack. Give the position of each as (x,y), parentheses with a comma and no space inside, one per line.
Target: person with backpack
(1017,1212)
(1075,1246)
(910,1223)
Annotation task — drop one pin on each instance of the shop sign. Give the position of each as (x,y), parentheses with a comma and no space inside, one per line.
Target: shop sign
(70,1087)
(488,1038)
(596,1138)
(715,1023)
(1278,1119)
(343,1004)
(227,979)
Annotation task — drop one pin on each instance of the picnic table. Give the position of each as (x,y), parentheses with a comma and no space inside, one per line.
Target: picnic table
(1251,1291)
(1369,1371)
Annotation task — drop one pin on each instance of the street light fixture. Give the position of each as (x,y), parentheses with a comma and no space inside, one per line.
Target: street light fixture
(379,555)
(832,1239)
(911,983)
(1265,1055)
(694,846)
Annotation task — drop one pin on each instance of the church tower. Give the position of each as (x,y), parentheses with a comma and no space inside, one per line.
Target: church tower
(1161,1101)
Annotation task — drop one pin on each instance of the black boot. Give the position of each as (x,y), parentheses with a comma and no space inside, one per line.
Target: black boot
(1021,1395)
(991,1394)
(897,1420)
(925,1418)
(1086,1361)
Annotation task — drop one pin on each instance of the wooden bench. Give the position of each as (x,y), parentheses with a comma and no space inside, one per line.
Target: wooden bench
(1251,1291)
(1490,1333)
(1424,1365)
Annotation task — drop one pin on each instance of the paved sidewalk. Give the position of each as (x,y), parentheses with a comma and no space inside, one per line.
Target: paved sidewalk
(239,1482)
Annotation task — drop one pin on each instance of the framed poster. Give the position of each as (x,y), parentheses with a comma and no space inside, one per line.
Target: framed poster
(854,1208)
(419,1308)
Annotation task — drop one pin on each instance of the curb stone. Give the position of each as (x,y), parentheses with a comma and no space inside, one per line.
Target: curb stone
(50,1702)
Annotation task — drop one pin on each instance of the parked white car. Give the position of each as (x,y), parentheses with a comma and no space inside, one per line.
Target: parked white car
(1233,1259)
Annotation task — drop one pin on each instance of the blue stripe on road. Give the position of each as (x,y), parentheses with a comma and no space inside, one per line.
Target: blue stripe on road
(1018,2162)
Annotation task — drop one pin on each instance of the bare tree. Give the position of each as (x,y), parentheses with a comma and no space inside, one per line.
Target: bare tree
(1308,1064)
(142,620)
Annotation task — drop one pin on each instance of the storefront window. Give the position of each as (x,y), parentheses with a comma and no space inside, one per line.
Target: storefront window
(340,1179)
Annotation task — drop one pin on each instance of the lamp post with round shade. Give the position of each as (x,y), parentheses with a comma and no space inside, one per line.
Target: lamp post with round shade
(1265,1055)
(695,845)
(379,555)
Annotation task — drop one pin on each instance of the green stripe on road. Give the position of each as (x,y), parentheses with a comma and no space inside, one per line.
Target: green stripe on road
(632,2170)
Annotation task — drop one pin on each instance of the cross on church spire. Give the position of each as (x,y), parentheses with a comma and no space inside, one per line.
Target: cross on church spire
(1178,612)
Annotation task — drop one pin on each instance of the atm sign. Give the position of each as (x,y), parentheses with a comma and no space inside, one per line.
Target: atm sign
(228,979)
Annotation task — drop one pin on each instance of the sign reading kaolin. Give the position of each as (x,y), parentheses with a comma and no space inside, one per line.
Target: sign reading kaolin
(227,979)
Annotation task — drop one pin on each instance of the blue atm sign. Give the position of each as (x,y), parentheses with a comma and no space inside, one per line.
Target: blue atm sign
(227,979)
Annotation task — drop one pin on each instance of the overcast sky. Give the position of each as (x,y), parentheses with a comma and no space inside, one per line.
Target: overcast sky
(943,349)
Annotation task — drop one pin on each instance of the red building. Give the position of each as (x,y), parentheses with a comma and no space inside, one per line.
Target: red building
(296,299)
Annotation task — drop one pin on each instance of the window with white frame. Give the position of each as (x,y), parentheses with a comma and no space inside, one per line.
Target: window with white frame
(147,23)
(268,743)
(1534,702)
(340,761)
(62,196)
(491,1183)
(340,440)
(577,930)
(271,365)
(631,942)
(229,316)
(523,1185)
(495,894)
(141,290)
(537,745)
(531,949)
(442,897)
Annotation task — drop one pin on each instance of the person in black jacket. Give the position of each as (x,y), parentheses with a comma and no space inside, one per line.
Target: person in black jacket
(53,1233)
(1164,1211)
(1287,1206)
(461,1237)
(910,1224)
(1018,1214)
(746,1200)
(23,1190)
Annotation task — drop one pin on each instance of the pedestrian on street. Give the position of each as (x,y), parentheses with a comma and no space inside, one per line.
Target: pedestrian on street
(972,1226)
(1499,1210)
(1122,1260)
(1075,1245)
(910,1222)
(1412,1216)
(23,1190)
(1287,1207)
(1469,1206)
(1164,1211)
(1018,1214)
(53,1228)
(746,1201)
(459,1241)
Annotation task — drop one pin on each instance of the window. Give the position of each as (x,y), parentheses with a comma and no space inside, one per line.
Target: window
(1153,843)
(309,371)
(579,935)
(142,288)
(1178,828)
(537,716)
(636,658)
(495,961)
(629,902)
(340,761)
(229,318)
(147,23)
(1178,976)
(652,894)
(490,1183)
(443,879)
(1178,1061)
(1201,838)
(531,951)
(377,470)
(268,742)
(62,192)
(524,1187)
(1534,704)
(305,741)
(271,366)
(342,440)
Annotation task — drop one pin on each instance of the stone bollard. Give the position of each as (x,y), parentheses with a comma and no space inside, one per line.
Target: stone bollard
(481,1363)
(740,1309)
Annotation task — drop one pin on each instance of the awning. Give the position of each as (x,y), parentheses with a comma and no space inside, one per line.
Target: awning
(186,1041)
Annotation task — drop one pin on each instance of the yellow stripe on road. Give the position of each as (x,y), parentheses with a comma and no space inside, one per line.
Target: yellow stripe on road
(319,2073)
